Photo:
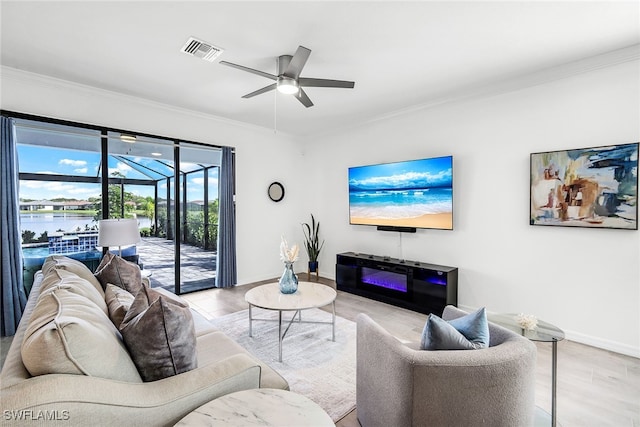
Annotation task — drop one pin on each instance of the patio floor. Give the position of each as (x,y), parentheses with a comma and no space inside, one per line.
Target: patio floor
(197,266)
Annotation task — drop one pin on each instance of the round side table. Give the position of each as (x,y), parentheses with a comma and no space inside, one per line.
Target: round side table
(545,332)
(259,407)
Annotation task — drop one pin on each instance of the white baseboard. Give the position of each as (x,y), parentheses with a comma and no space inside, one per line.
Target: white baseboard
(597,342)
(604,344)
(592,341)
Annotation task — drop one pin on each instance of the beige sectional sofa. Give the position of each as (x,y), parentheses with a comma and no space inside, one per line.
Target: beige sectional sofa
(79,372)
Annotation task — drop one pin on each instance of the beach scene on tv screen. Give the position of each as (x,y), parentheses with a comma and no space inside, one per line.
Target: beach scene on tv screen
(414,193)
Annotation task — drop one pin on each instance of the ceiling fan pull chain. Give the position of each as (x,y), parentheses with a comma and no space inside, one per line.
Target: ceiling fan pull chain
(275,108)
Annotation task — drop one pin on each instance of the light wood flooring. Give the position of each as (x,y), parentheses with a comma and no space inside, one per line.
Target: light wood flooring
(595,387)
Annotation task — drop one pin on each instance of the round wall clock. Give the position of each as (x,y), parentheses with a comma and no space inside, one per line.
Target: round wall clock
(275,191)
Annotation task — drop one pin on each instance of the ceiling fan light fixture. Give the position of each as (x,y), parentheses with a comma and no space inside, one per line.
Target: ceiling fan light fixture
(288,80)
(288,86)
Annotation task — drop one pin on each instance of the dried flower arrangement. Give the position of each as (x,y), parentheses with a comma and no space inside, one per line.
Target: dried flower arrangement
(288,254)
(527,322)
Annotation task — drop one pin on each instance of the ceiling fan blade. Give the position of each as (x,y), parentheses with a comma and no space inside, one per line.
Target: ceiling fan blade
(297,62)
(250,70)
(309,82)
(302,97)
(259,91)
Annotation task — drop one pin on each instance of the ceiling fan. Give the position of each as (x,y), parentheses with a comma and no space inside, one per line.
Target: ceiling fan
(288,80)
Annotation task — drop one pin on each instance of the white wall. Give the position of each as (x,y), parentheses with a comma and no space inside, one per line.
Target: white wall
(261,155)
(586,281)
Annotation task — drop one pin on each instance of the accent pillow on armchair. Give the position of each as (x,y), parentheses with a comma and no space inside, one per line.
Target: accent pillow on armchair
(469,332)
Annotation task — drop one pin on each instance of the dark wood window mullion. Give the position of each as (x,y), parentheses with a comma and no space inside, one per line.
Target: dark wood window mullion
(167,221)
(176,205)
(105,173)
(155,209)
(185,217)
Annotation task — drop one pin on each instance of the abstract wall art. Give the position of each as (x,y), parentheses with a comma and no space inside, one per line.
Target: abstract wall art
(588,187)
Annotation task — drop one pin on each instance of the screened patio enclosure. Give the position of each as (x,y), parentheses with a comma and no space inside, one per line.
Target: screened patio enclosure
(72,176)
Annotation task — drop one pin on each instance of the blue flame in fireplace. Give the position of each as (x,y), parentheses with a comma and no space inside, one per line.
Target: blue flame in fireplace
(385,279)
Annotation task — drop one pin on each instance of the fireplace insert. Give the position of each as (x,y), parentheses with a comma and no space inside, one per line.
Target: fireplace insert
(426,288)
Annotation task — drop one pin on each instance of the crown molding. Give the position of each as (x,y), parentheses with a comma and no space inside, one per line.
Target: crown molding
(513,83)
(506,84)
(48,82)
(497,86)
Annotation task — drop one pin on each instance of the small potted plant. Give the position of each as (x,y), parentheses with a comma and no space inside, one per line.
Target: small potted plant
(312,243)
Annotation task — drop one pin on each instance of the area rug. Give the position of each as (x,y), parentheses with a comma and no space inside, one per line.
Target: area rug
(316,367)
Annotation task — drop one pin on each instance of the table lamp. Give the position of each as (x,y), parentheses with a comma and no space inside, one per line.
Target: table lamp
(118,232)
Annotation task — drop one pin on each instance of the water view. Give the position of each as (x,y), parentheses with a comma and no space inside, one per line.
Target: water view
(66,221)
(400,204)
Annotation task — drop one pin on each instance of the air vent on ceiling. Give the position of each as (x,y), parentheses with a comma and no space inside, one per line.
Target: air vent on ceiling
(200,49)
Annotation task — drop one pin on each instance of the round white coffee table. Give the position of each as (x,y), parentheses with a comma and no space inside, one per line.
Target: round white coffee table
(309,295)
(259,407)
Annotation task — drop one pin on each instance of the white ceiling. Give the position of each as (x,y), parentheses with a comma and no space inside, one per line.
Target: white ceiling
(400,54)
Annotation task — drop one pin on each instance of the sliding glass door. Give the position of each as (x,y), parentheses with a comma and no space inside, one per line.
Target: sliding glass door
(73,175)
(60,193)
(199,216)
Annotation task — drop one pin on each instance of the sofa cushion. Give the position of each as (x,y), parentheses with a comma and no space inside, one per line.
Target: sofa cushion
(117,271)
(67,279)
(69,334)
(118,301)
(464,333)
(160,335)
(61,262)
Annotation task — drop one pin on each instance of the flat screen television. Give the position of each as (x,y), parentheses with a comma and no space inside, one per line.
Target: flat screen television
(410,194)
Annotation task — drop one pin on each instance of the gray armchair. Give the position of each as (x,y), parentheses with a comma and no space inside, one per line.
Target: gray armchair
(399,385)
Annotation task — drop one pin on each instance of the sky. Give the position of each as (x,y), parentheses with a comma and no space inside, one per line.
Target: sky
(422,173)
(55,161)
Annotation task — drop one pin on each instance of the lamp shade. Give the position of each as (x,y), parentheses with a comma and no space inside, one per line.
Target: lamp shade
(118,232)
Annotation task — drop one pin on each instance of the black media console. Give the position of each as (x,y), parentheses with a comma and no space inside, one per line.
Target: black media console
(426,288)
